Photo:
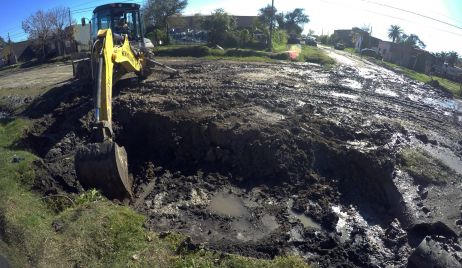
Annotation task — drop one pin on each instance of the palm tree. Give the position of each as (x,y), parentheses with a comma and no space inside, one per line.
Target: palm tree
(394,33)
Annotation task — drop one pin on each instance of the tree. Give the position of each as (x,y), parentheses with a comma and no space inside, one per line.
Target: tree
(265,14)
(412,40)
(295,20)
(394,33)
(267,20)
(452,58)
(219,26)
(280,20)
(39,27)
(60,21)
(156,12)
(2,42)
(441,56)
(366,28)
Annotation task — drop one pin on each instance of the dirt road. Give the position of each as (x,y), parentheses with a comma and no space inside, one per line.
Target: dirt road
(264,159)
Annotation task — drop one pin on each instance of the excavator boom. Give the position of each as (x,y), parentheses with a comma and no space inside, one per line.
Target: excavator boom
(104,164)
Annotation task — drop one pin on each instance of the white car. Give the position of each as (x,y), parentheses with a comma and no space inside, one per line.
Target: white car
(148,43)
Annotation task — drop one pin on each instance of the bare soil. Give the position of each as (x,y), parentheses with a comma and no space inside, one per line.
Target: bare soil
(265,159)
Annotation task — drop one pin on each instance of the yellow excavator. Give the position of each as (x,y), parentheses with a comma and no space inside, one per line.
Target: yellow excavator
(118,48)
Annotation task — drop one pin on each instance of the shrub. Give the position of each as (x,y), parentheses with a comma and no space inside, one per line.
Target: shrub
(184,51)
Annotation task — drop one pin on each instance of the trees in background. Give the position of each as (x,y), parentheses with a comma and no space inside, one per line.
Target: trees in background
(266,14)
(156,13)
(294,21)
(38,27)
(220,26)
(43,26)
(412,40)
(450,57)
(394,33)
(290,23)
(60,18)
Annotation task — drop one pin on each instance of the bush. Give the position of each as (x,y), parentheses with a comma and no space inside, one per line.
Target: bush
(183,51)
(245,53)
(231,39)
(157,35)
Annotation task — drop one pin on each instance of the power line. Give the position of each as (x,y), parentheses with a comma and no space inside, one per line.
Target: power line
(93,7)
(414,13)
(388,16)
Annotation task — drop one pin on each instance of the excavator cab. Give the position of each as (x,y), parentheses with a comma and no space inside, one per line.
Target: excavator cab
(121,18)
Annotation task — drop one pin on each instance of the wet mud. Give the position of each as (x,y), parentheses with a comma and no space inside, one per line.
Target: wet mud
(268,159)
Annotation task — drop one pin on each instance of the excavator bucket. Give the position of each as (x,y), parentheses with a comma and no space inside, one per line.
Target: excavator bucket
(104,166)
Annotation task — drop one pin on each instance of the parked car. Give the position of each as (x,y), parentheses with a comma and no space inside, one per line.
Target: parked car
(311,41)
(294,40)
(370,53)
(339,46)
(148,43)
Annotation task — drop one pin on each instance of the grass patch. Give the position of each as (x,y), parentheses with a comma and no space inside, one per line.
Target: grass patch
(315,55)
(450,86)
(424,168)
(93,232)
(308,54)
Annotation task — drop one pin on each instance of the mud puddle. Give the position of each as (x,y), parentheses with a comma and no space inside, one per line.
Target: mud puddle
(306,221)
(227,205)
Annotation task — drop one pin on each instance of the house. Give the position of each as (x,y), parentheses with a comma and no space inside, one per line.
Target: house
(82,37)
(243,22)
(357,38)
(345,37)
(22,51)
(406,56)
(363,39)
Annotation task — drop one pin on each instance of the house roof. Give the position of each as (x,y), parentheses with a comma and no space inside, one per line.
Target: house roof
(20,47)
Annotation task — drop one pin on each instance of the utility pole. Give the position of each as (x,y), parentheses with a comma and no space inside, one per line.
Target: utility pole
(10,51)
(270,43)
(71,32)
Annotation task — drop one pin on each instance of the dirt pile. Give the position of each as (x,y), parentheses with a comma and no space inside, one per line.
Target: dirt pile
(264,159)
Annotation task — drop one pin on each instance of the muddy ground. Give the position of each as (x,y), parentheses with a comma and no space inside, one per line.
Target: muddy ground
(263,159)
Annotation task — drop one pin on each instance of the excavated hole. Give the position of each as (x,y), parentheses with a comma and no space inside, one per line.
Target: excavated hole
(251,157)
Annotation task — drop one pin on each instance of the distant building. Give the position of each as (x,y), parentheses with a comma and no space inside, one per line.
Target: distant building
(357,38)
(82,37)
(22,51)
(406,56)
(345,37)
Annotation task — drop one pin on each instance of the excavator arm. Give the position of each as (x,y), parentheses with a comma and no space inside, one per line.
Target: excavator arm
(110,56)
(104,164)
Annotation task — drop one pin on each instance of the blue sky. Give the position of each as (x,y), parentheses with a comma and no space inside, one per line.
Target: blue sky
(325,15)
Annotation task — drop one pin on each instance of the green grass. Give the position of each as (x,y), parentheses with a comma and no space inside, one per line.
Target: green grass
(424,168)
(91,231)
(449,85)
(315,55)
(308,54)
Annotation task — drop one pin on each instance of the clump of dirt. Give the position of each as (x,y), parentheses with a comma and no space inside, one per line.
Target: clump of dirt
(263,159)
